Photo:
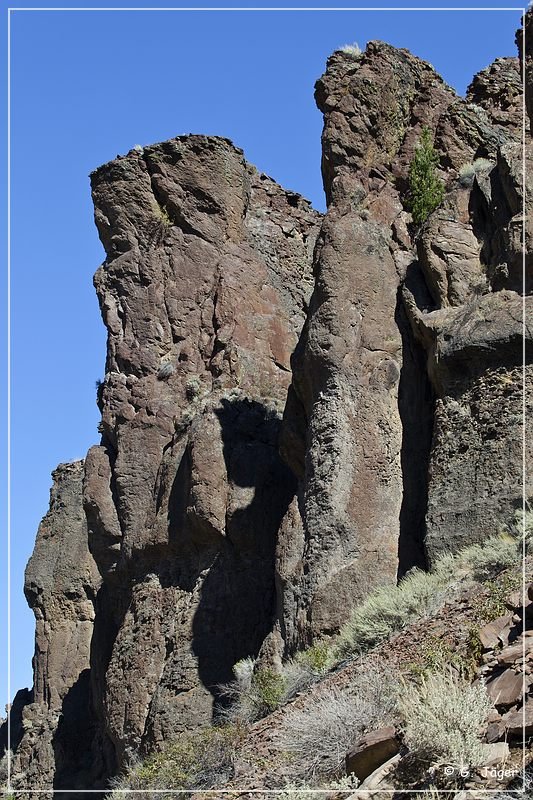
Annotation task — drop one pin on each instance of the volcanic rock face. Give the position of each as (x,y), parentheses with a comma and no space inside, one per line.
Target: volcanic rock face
(373,433)
(204,292)
(394,355)
(61,585)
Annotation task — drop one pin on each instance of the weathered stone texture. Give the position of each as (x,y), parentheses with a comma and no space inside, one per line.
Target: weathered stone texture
(203,528)
(61,584)
(204,292)
(350,433)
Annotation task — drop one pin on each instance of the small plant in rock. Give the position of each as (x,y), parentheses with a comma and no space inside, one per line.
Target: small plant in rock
(162,215)
(192,389)
(317,658)
(253,693)
(444,718)
(165,370)
(433,654)
(426,189)
(474,651)
(183,421)
(352,50)
(468,172)
(269,688)
(494,603)
(307,667)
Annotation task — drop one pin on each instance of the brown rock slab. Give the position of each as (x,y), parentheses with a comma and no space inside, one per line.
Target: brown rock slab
(510,654)
(518,721)
(494,732)
(371,751)
(496,753)
(506,689)
(496,631)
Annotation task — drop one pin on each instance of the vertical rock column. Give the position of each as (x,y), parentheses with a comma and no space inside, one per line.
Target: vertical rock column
(203,292)
(61,584)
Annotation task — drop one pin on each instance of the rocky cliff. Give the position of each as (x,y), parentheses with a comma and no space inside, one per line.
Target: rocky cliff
(296,408)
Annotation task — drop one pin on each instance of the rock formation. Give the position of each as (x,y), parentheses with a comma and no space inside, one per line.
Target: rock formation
(296,408)
(404,418)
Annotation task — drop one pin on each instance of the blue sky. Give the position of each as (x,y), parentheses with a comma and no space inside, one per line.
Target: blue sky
(86,86)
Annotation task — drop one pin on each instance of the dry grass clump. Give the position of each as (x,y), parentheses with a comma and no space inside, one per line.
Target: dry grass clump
(253,693)
(468,172)
(165,370)
(352,50)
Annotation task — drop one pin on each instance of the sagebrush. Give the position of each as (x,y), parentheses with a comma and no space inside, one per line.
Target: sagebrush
(444,717)
(256,692)
(319,736)
(468,172)
(253,693)
(389,609)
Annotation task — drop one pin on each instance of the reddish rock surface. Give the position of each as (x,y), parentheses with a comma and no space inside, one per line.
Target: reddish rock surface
(185,541)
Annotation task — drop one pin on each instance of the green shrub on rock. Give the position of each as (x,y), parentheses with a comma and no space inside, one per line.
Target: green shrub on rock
(200,759)
(253,693)
(426,190)
(269,688)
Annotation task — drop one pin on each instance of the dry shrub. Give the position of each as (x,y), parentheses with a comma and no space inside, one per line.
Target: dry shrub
(444,719)
(319,736)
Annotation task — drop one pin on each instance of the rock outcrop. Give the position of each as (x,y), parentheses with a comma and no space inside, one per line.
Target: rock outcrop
(296,408)
(404,419)
(58,725)
(204,292)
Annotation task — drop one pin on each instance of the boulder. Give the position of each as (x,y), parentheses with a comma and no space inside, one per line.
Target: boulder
(506,689)
(519,721)
(496,632)
(371,752)
(497,753)
(510,654)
